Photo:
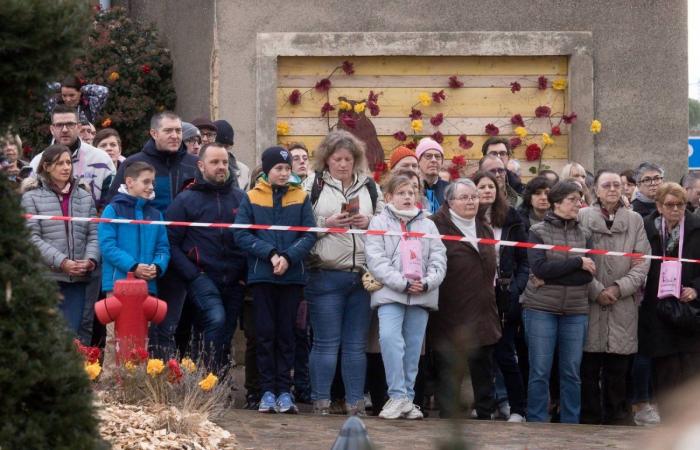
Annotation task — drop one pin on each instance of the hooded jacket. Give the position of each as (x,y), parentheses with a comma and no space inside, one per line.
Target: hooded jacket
(209,250)
(268,205)
(174,170)
(58,240)
(384,261)
(125,245)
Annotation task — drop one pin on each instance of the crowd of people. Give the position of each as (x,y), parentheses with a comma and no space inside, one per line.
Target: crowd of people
(376,323)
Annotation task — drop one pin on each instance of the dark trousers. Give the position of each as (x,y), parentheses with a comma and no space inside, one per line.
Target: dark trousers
(275,314)
(451,371)
(252,381)
(604,388)
(161,337)
(670,372)
(507,361)
(302,386)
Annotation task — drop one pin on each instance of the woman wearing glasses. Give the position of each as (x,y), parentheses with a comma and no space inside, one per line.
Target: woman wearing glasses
(555,305)
(466,327)
(612,320)
(675,352)
(649,178)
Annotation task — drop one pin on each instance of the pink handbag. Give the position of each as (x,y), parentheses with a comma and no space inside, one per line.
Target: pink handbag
(411,257)
(670,273)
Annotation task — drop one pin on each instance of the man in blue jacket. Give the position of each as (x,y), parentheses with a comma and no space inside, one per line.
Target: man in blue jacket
(207,259)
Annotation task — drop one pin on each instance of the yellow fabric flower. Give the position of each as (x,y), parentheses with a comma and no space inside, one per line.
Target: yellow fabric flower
(188,365)
(596,126)
(559,84)
(425,99)
(93,370)
(130,366)
(521,132)
(114,76)
(547,139)
(283,128)
(209,382)
(344,106)
(154,367)
(359,107)
(417,125)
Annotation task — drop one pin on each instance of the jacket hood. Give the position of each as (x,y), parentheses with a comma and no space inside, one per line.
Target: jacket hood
(38,181)
(123,197)
(201,184)
(150,149)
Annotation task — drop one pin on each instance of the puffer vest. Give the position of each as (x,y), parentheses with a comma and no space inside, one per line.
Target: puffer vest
(554,298)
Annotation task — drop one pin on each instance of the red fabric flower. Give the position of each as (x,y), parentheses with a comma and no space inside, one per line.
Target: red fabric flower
(348,120)
(543,111)
(348,67)
(438,97)
(379,170)
(323,85)
(459,161)
(437,119)
(515,87)
(454,173)
(454,82)
(570,118)
(464,142)
(400,136)
(326,108)
(415,114)
(26,150)
(533,152)
(438,137)
(412,145)
(556,131)
(514,142)
(373,108)
(491,129)
(295,97)
(146,69)
(517,120)
(372,97)
(542,83)
(138,355)
(174,371)
(90,354)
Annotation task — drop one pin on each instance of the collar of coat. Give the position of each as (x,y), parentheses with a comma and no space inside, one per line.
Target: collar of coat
(596,222)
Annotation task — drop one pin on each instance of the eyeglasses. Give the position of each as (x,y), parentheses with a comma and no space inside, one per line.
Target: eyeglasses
(574,199)
(209,134)
(433,156)
(672,206)
(194,139)
(68,125)
(611,185)
(650,181)
(498,171)
(500,154)
(464,198)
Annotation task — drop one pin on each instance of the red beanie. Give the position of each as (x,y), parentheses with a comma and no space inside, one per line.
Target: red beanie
(400,153)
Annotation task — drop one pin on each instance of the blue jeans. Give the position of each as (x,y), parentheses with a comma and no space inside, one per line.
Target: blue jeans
(543,332)
(401,332)
(340,316)
(73,303)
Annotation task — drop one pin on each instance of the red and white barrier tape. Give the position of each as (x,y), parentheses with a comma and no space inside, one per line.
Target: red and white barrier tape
(445,237)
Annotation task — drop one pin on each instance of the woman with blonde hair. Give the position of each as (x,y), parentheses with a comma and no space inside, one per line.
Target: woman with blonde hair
(576,172)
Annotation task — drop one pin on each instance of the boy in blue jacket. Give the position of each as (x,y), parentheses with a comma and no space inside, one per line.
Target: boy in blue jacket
(276,272)
(142,249)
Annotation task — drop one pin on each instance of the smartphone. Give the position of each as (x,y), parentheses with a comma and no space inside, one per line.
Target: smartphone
(352,206)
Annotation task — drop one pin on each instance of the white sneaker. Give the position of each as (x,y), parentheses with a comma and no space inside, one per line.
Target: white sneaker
(517,418)
(503,411)
(414,413)
(393,408)
(647,416)
(368,401)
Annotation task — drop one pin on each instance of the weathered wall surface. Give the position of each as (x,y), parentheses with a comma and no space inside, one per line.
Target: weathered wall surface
(639,53)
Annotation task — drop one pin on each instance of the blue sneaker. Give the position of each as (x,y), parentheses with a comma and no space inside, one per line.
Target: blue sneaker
(285,404)
(267,403)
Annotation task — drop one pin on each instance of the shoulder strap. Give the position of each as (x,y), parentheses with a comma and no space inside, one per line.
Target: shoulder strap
(373,194)
(317,187)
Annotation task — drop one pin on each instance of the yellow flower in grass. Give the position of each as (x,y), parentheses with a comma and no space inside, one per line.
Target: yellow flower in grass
(155,367)
(188,365)
(209,382)
(596,126)
(559,84)
(359,107)
(547,139)
(521,132)
(417,125)
(130,366)
(114,76)
(344,106)
(425,99)
(93,370)
(283,128)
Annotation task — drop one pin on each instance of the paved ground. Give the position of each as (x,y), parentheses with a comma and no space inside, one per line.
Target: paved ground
(308,432)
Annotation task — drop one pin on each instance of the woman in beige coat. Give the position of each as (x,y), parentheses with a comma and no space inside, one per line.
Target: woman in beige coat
(612,323)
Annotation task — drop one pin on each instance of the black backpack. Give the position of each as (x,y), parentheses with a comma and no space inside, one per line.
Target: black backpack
(318,187)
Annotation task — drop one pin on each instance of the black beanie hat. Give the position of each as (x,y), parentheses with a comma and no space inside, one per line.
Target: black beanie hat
(273,156)
(224,132)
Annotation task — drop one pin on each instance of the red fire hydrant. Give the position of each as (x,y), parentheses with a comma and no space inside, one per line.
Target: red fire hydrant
(131,308)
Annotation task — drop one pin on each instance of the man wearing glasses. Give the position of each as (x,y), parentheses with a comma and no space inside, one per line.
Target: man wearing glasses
(500,147)
(649,178)
(91,166)
(430,157)
(494,164)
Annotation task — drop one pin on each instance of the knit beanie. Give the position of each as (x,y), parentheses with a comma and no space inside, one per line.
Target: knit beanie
(426,144)
(273,156)
(400,153)
(224,133)
(189,131)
